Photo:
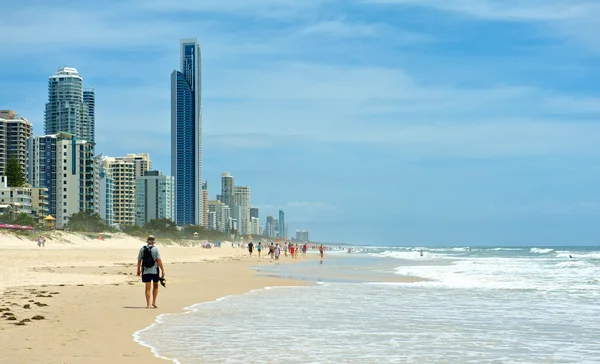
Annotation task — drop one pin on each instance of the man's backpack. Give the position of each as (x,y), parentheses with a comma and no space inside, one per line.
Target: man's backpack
(147,258)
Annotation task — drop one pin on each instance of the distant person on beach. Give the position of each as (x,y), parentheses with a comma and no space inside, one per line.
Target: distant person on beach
(259,248)
(271,250)
(321,249)
(150,267)
(277,251)
(421,252)
(41,242)
(250,247)
(292,250)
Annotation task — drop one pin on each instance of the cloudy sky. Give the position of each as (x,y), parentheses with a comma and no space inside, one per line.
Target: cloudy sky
(410,122)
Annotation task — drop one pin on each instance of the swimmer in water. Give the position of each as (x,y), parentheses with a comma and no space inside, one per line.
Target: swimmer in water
(421,252)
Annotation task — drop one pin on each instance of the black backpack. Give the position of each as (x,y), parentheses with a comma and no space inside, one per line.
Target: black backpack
(147,258)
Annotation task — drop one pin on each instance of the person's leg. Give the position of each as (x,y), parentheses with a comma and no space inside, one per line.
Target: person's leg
(154,294)
(147,292)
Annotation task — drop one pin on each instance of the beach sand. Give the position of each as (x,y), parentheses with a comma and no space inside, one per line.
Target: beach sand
(92,301)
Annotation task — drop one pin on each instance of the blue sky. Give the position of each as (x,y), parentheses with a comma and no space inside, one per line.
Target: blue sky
(410,122)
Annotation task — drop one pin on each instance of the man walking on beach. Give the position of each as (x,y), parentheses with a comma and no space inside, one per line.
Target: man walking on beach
(148,265)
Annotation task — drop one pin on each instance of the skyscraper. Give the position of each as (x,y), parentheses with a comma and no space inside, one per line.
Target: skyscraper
(186,134)
(89,115)
(67,111)
(14,131)
(242,208)
(227,189)
(281,228)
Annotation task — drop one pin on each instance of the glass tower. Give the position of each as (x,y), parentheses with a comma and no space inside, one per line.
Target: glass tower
(70,109)
(186,134)
(89,115)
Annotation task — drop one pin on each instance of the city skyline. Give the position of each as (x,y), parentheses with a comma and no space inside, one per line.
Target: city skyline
(383,129)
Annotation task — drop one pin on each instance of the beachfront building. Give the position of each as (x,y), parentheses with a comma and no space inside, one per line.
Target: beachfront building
(154,197)
(302,235)
(123,174)
(212,221)
(16,199)
(141,163)
(14,131)
(222,215)
(254,226)
(186,134)
(281,227)
(254,212)
(204,204)
(64,165)
(227,184)
(39,204)
(103,189)
(67,111)
(241,205)
(88,128)
(271,226)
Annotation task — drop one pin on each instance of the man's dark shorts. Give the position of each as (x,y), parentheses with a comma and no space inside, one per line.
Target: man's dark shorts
(150,278)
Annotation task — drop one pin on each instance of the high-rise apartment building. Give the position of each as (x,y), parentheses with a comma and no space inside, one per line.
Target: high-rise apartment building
(216,207)
(204,204)
(186,134)
(66,110)
(141,162)
(227,189)
(123,174)
(271,227)
(88,129)
(225,219)
(14,131)
(254,226)
(281,228)
(242,208)
(65,166)
(302,235)
(154,197)
(103,189)
(254,212)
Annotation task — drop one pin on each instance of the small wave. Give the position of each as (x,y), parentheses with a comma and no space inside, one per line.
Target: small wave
(573,263)
(541,250)
(593,255)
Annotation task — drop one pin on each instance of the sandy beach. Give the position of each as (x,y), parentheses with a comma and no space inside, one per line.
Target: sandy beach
(92,302)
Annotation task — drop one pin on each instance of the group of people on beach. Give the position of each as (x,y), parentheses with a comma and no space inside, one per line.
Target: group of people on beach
(150,266)
(275,249)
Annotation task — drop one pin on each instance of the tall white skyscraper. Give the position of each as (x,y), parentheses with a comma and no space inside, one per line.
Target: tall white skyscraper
(186,134)
(67,110)
(242,208)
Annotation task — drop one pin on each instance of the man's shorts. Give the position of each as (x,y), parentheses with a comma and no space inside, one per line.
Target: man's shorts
(150,278)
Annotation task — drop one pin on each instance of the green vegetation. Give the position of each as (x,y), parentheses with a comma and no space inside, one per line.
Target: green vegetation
(22,218)
(87,221)
(14,173)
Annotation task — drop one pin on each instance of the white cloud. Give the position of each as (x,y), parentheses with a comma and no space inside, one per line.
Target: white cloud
(538,10)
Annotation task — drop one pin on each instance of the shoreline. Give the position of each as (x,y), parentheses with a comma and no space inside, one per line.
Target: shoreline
(92,302)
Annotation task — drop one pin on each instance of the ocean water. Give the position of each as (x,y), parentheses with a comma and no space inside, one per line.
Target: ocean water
(492,305)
